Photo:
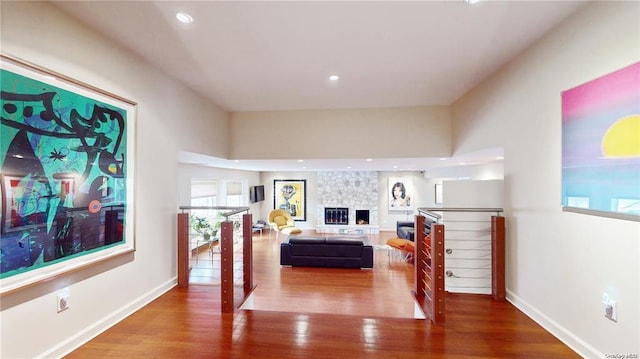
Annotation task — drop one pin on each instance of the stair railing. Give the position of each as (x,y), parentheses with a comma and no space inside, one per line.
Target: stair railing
(226,253)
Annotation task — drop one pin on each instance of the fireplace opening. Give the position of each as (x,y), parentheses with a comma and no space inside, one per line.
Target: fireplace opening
(362,216)
(336,215)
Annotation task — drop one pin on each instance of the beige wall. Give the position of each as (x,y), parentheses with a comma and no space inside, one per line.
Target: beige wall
(559,264)
(170,118)
(355,133)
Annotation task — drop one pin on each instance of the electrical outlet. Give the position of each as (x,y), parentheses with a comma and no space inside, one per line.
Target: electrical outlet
(63,300)
(611,311)
(610,308)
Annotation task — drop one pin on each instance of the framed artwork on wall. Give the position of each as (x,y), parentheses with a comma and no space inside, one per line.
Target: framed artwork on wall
(67,174)
(601,146)
(291,195)
(400,191)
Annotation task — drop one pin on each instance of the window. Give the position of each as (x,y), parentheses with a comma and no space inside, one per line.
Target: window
(204,193)
(234,193)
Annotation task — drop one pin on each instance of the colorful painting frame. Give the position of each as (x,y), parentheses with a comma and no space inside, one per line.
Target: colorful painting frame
(401,200)
(67,153)
(291,195)
(601,146)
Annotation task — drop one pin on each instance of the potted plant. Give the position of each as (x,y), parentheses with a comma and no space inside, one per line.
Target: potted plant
(202,226)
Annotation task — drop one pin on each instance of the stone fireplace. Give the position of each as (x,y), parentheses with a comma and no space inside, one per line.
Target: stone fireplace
(350,192)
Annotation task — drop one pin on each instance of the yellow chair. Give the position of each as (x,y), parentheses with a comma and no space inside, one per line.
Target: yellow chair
(281,221)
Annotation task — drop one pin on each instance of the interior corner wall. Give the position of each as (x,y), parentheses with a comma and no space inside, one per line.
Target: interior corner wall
(107,292)
(559,264)
(345,133)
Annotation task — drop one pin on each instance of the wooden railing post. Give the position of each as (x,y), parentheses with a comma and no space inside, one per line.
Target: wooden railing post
(420,262)
(183,249)
(498,244)
(226,255)
(247,253)
(437,267)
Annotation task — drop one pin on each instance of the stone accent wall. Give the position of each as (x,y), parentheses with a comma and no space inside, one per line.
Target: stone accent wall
(354,190)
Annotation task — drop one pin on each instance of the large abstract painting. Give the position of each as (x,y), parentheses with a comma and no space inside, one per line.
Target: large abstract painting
(601,146)
(66,161)
(291,195)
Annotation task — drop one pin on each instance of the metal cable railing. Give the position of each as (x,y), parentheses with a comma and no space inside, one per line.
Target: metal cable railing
(226,244)
(470,259)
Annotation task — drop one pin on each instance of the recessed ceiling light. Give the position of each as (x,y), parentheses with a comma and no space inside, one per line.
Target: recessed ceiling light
(369,159)
(184,17)
(236,161)
(471,2)
(300,161)
(334,77)
(499,158)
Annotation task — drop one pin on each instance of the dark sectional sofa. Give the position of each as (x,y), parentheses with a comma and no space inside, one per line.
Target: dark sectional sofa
(338,252)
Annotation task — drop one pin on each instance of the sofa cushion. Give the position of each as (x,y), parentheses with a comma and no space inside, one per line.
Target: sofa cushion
(308,249)
(306,246)
(343,250)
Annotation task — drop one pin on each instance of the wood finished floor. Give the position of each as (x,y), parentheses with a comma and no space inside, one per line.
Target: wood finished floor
(321,313)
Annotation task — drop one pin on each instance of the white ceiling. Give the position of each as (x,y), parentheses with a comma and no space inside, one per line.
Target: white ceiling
(268,55)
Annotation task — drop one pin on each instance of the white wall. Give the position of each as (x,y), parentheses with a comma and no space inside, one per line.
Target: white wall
(489,171)
(559,264)
(105,293)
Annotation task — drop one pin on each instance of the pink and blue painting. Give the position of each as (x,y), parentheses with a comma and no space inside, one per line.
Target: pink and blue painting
(601,145)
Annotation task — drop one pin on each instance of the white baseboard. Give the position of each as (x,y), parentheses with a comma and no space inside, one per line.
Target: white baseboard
(572,341)
(82,337)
